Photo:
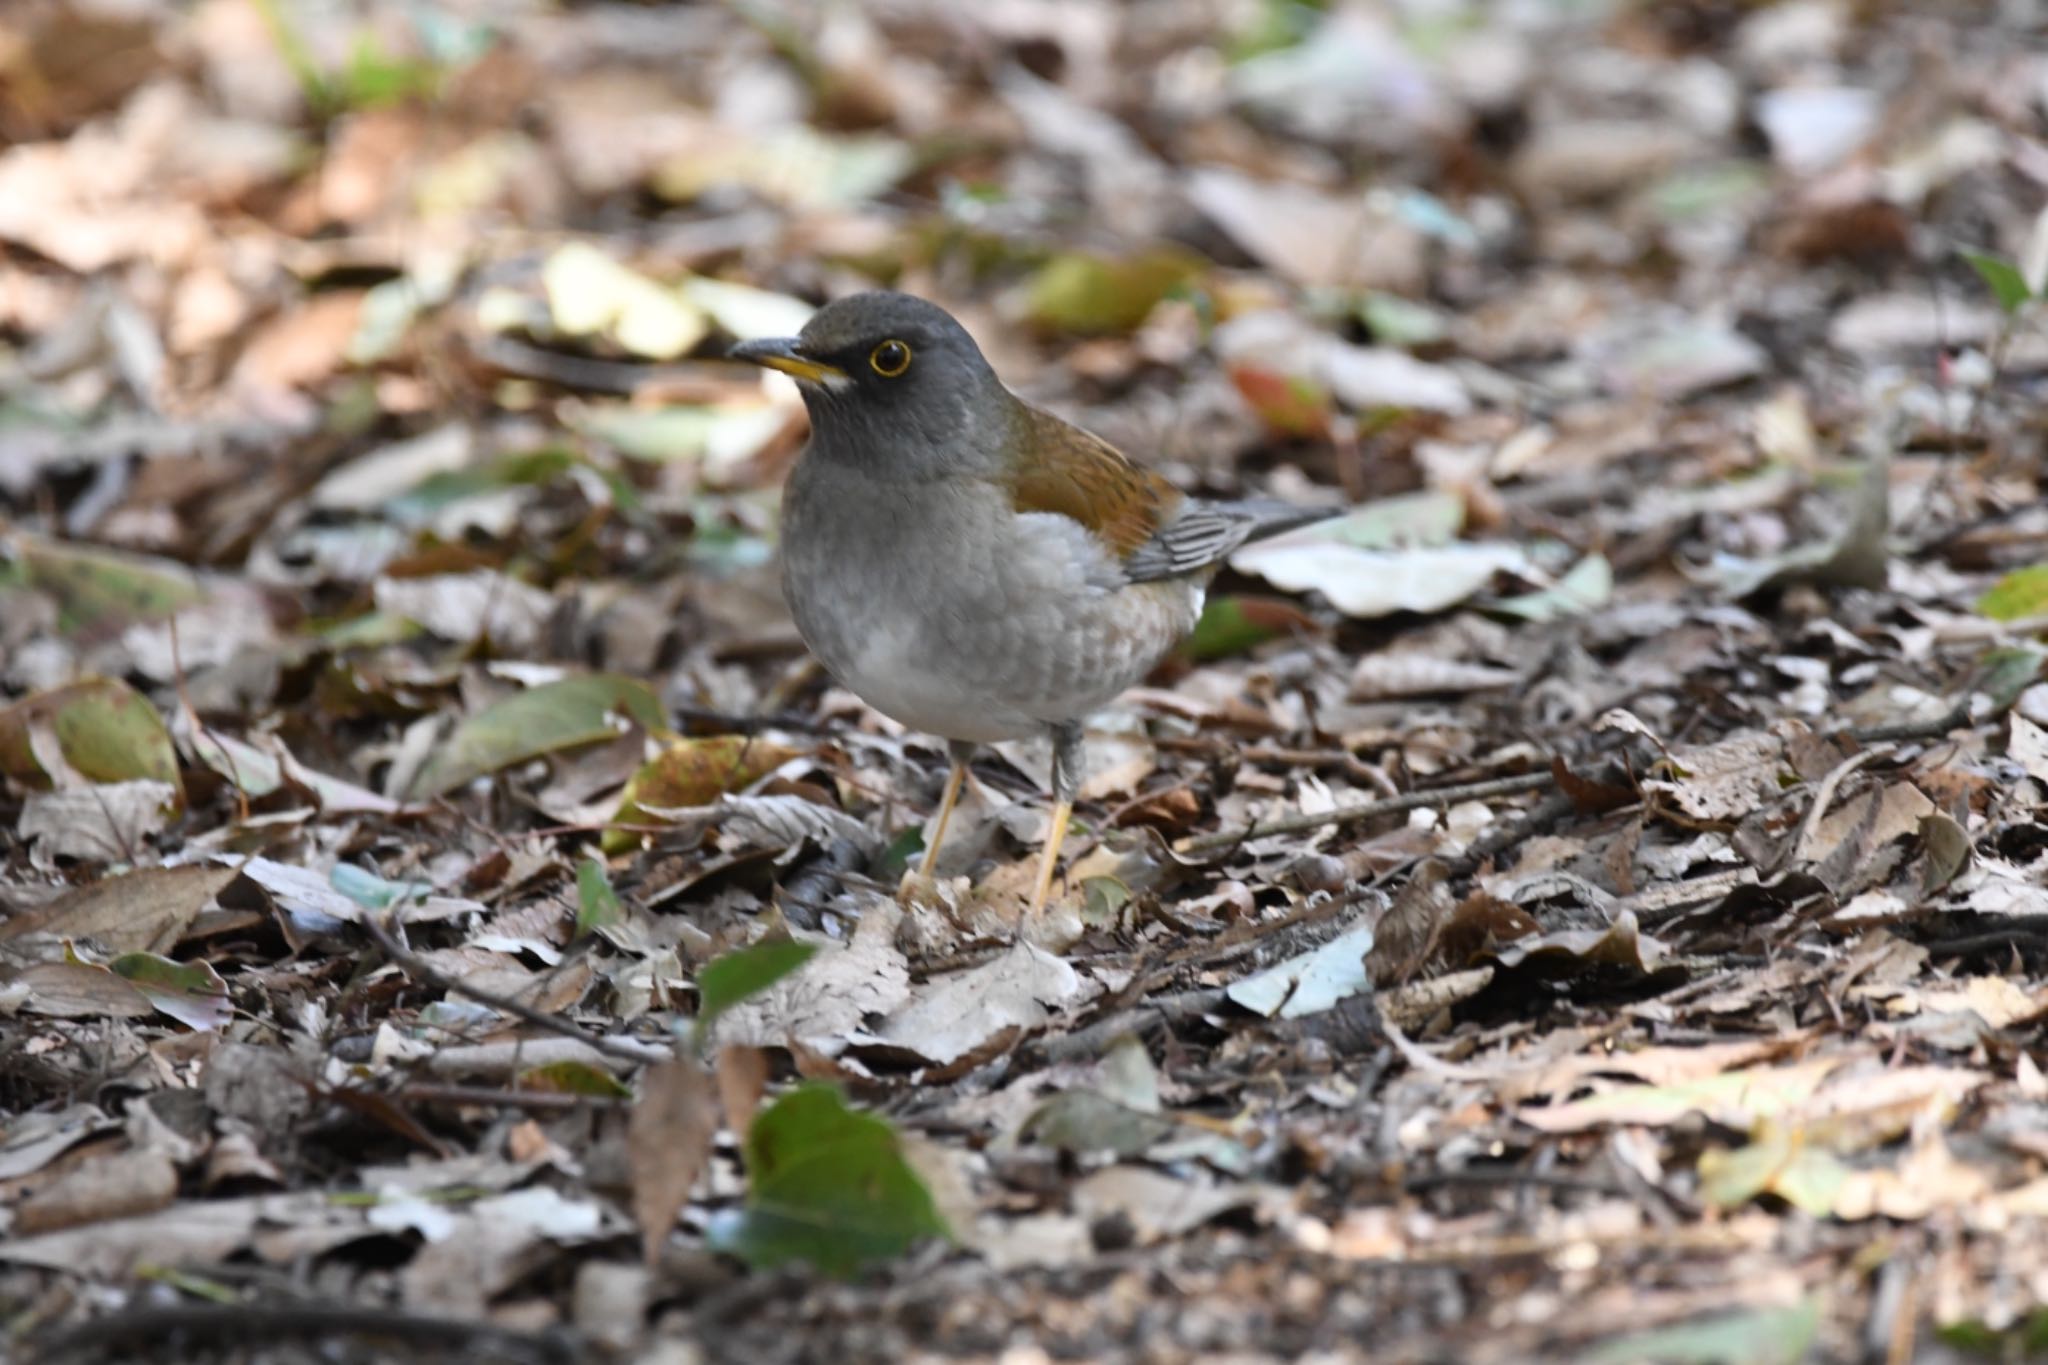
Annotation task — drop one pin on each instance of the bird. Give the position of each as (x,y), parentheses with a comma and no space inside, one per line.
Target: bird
(973,566)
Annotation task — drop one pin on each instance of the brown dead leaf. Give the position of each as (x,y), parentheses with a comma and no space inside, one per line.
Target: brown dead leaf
(830,996)
(742,1076)
(1722,782)
(968,1015)
(145,911)
(120,1185)
(668,1143)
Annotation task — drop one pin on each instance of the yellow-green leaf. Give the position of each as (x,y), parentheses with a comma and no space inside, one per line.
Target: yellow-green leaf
(105,730)
(574,1078)
(540,720)
(692,772)
(96,587)
(2021,593)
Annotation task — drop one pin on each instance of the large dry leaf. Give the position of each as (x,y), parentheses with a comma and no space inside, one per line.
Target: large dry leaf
(146,911)
(668,1144)
(972,1013)
(829,997)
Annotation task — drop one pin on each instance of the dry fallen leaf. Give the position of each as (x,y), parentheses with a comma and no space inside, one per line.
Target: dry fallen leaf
(668,1143)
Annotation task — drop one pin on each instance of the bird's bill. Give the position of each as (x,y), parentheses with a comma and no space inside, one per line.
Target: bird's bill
(782,353)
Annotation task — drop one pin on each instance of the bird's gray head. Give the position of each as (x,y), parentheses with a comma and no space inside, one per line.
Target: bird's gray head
(893,384)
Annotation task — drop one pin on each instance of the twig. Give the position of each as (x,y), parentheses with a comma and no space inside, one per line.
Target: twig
(1492,1177)
(1903,731)
(1824,796)
(152,1329)
(1367,810)
(486,1096)
(1091,1041)
(427,976)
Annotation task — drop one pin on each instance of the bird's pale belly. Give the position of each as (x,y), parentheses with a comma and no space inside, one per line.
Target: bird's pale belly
(962,670)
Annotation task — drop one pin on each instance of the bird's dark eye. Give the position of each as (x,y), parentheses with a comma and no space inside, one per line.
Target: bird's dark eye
(890,359)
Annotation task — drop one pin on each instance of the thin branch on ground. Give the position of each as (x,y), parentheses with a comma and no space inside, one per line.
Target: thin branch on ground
(411,964)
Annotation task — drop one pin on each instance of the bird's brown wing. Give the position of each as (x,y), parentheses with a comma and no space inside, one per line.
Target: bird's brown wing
(1084,477)
(1154,528)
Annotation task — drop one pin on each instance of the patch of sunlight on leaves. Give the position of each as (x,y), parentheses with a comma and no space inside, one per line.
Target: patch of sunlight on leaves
(539,720)
(827,1185)
(1758,1336)
(590,294)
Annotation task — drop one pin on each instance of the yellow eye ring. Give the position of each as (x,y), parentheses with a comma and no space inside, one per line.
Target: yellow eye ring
(889,359)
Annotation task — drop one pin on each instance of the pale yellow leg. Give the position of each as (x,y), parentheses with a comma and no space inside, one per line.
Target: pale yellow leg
(1049,861)
(952,794)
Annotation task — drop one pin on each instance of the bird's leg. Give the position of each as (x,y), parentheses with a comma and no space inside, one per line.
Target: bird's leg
(961,752)
(1066,782)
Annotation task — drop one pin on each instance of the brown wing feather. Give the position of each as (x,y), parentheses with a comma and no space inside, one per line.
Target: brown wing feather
(1085,477)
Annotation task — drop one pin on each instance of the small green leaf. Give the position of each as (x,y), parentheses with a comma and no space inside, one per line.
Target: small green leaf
(373,892)
(101,588)
(827,1185)
(540,720)
(597,905)
(1089,294)
(1235,623)
(190,992)
(1585,588)
(896,858)
(2007,285)
(730,979)
(691,772)
(573,1078)
(1758,1336)
(2021,593)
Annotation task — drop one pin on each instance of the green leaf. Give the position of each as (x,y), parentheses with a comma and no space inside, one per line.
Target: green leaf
(2007,285)
(573,1078)
(1088,294)
(104,728)
(1585,588)
(1234,624)
(373,892)
(827,1185)
(597,905)
(2021,593)
(692,772)
(540,720)
(96,587)
(1760,1336)
(190,992)
(727,980)
(1398,523)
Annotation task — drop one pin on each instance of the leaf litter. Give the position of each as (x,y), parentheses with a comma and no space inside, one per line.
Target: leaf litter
(1583,903)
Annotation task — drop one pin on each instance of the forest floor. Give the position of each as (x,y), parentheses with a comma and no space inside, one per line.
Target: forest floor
(1586,903)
